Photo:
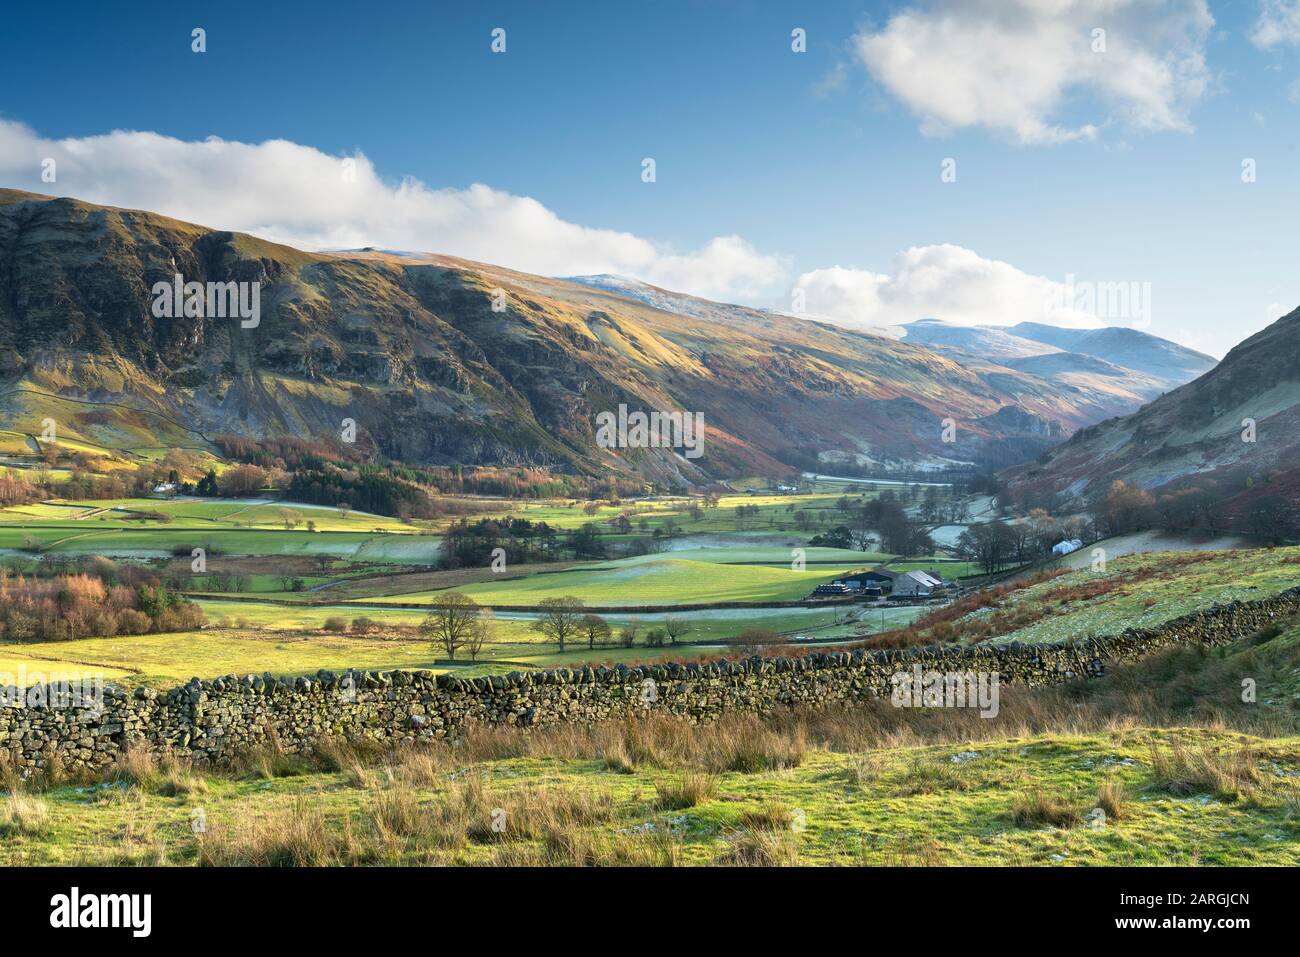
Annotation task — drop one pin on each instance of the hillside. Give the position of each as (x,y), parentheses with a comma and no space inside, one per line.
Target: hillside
(1193,436)
(410,347)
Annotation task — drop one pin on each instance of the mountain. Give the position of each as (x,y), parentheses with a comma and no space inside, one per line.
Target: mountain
(1109,372)
(411,348)
(989,342)
(1192,438)
(1128,348)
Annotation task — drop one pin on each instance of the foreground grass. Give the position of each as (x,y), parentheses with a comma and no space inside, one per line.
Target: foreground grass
(632,797)
(1165,761)
(1160,762)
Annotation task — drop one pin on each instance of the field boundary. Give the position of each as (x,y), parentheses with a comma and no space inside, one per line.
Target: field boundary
(213,721)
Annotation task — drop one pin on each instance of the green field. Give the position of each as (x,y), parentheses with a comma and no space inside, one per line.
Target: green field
(249,549)
(252,638)
(663,581)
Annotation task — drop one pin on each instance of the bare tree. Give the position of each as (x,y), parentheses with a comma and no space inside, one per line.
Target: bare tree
(595,628)
(676,627)
(450,625)
(627,634)
(482,632)
(560,619)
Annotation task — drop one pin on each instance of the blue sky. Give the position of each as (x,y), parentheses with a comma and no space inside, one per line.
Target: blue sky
(800,161)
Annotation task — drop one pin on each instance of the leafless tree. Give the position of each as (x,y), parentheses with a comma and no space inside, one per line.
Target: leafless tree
(450,625)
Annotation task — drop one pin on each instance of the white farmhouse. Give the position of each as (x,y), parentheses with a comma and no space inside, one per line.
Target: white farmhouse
(1067,546)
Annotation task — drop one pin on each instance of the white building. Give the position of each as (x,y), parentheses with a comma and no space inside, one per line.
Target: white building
(1067,546)
(917,583)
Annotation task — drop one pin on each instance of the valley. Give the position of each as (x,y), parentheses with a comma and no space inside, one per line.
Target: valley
(387,477)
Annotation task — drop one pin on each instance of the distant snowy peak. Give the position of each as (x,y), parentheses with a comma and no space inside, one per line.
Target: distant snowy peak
(1110,350)
(987,342)
(1130,348)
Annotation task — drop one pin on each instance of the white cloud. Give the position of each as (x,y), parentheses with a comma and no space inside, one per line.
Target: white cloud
(1016,65)
(1278,23)
(941,282)
(299,195)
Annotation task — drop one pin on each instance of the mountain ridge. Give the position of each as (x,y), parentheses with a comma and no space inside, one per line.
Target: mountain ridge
(410,347)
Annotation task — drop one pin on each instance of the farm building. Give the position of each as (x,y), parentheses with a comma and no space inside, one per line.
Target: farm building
(1067,546)
(875,578)
(919,584)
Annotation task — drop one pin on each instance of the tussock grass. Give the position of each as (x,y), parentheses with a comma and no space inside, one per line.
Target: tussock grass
(771,816)
(687,790)
(1182,770)
(910,851)
(23,815)
(270,761)
(135,767)
(761,848)
(1112,798)
(752,746)
(178,779)
(587,849)
(297,837)
(1036,808)
(539,813)
(929,774)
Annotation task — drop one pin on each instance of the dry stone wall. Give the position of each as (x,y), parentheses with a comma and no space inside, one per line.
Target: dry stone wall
(209,721)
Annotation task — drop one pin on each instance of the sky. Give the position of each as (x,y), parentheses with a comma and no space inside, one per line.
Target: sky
(1082,162)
